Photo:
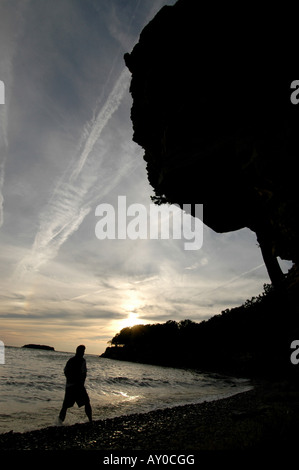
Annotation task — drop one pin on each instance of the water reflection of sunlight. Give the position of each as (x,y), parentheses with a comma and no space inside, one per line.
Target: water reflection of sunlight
(129,397)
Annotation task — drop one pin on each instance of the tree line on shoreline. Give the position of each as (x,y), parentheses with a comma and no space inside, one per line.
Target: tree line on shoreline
(250,340)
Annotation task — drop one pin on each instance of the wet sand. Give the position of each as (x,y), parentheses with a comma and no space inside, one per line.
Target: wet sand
(264,418)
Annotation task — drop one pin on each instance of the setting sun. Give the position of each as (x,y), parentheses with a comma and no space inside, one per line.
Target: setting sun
(131,320)
(130,308)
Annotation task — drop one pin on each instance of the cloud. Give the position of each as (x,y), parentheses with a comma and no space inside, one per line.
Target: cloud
(72,197)
(3,144)
(230,281)
(116,25)
(68,135)
(10,30)
(5,68)
(101,120)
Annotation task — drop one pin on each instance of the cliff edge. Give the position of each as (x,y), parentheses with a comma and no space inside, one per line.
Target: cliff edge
(211,91)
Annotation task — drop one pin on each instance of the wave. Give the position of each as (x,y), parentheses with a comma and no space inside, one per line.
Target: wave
(130,382)
(32,389)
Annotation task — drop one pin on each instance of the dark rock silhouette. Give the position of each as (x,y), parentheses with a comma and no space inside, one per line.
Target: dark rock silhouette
(39,346)
(212,110)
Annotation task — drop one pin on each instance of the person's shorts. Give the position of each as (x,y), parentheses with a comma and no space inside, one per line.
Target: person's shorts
(75,394)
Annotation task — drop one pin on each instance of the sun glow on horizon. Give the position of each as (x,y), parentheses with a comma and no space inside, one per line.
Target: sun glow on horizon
(131,317)
(131,320)
(130,308)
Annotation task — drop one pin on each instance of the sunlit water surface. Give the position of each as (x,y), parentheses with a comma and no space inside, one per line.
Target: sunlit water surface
(32,388)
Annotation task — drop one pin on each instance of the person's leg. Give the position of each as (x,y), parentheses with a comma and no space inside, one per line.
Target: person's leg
(62,413)
(68,402)
(83,399)
(88,411)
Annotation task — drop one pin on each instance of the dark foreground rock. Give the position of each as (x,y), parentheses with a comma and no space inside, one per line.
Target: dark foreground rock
(212,110)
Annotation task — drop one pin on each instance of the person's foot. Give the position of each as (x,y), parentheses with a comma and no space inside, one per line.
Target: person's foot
(59,422)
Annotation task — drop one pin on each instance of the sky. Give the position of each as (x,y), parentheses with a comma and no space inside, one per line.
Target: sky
(66,148)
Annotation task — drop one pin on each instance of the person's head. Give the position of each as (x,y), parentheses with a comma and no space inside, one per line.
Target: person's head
(80,350)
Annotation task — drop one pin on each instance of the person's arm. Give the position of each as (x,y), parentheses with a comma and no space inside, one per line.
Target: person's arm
(83,370)
(66,369)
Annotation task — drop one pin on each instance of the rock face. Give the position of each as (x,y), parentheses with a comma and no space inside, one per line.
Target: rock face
(211,108)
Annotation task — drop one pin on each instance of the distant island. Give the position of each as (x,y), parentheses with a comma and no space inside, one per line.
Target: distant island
(39,346)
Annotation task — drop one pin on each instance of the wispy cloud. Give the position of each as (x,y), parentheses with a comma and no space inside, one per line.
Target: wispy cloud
(11,21)
(5,68)
(99,123)
(66,146)
(230,281)
(3,156)
(73,195)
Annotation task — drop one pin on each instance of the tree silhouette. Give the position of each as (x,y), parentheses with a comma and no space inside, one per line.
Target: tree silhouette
(253,339)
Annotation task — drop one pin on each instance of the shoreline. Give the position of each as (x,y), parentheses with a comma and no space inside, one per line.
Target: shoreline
(260,418)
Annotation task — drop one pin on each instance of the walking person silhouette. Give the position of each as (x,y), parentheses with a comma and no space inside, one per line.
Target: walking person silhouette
(75,391)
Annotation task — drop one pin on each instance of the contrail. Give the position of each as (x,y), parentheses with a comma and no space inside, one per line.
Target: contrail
(230,281)
(74,194)
(111,105)
(72,197)
(108,109)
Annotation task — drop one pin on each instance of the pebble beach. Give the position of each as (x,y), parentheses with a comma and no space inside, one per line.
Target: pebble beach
(260,419)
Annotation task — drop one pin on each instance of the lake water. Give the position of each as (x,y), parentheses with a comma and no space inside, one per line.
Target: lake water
(32,388)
